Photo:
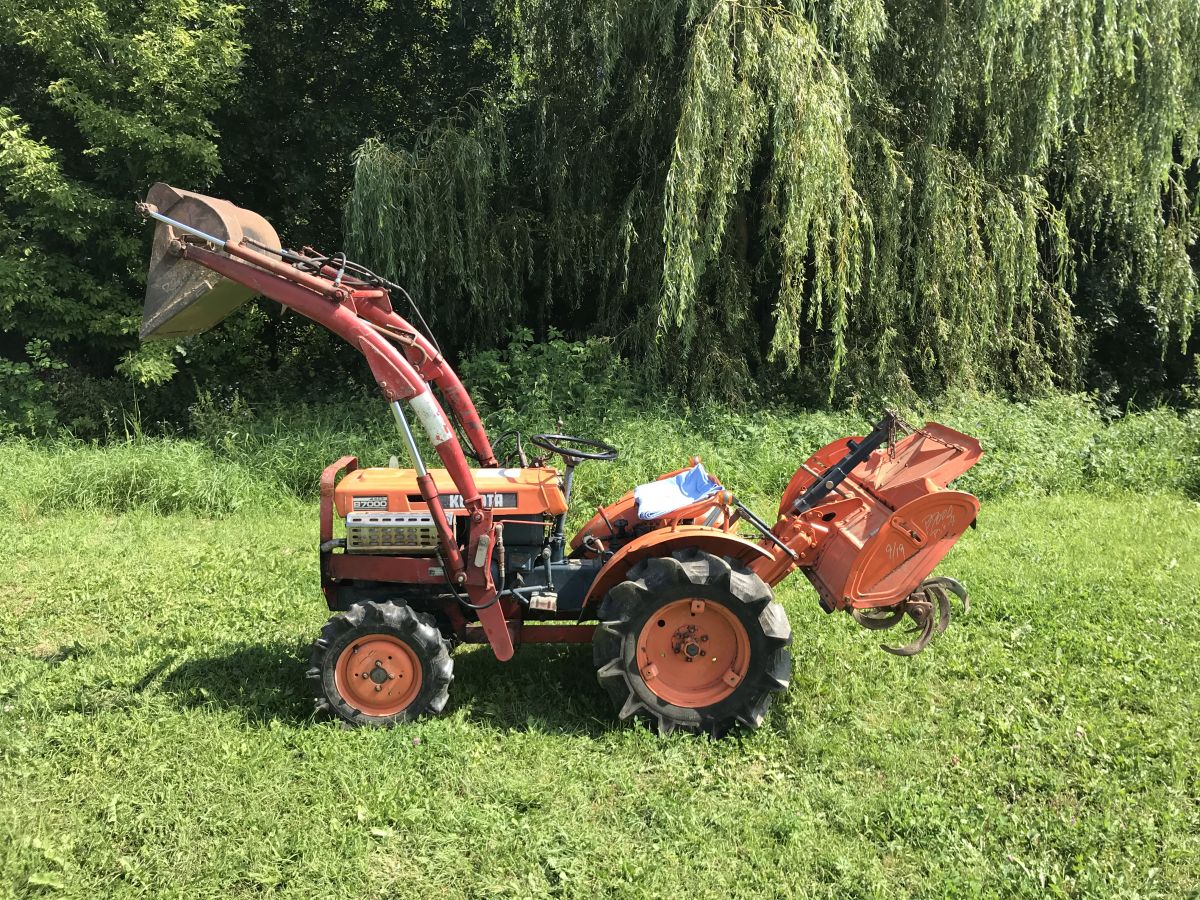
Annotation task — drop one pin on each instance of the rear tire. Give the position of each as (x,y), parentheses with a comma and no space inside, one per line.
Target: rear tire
(651,648)
(380,664)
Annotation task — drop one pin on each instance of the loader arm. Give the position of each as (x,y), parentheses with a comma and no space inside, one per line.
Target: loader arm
(434,369)
(427,359)
(364,318)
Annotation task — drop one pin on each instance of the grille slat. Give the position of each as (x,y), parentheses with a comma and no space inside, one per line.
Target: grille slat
(390,533)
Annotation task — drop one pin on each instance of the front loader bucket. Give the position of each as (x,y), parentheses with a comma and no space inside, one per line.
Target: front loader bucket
(182,297)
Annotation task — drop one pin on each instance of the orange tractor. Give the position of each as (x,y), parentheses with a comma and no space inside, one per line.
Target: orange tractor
(671,583)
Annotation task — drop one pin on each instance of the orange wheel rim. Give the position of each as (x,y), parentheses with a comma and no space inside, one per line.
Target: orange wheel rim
(693,653)
(378,675)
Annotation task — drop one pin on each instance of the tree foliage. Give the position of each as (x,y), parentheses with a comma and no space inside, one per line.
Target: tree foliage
(263,103)
(99,100)
(318,77)
(827,198)
(855,196)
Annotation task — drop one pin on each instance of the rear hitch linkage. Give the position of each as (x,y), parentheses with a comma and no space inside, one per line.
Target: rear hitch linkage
(918,606)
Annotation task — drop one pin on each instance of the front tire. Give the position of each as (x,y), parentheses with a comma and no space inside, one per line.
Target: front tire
(692,641)
(380,664)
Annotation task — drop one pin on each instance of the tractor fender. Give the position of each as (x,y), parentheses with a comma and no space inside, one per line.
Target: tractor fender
(663,542)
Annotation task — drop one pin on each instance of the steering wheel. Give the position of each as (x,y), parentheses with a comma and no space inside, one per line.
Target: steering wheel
(554,443)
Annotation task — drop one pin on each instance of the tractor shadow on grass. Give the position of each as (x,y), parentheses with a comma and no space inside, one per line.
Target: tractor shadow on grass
(543,688)
(262,682)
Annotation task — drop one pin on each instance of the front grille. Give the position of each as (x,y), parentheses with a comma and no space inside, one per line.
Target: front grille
(390,533)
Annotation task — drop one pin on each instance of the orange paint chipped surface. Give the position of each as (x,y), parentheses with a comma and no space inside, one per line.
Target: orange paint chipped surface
(693,653)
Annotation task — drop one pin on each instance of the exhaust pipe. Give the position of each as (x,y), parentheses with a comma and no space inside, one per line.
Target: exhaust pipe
(182,297)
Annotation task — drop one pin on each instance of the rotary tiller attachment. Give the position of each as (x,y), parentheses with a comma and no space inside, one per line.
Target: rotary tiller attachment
(183,298)
(868,519)
(918,606)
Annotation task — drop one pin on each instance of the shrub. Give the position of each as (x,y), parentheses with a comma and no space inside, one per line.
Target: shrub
(1156,449)
(530,385)
(242,455)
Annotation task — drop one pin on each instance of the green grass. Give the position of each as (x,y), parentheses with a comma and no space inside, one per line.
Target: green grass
(238,458)
(155,737)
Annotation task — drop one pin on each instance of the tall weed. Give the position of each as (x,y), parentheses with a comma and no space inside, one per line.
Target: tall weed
(242,457)
(1156,449)
(161,475)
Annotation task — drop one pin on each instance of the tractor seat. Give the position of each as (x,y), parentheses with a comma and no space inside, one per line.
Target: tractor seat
(659,498)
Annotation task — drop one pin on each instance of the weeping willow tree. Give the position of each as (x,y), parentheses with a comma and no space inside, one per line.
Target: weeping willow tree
(834,195)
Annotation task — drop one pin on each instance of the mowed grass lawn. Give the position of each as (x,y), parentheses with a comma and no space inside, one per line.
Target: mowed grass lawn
(156,737)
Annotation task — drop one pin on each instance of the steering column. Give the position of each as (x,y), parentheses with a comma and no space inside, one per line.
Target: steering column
(573,450)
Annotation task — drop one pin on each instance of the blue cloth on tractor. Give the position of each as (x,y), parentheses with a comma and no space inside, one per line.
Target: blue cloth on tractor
(658,498)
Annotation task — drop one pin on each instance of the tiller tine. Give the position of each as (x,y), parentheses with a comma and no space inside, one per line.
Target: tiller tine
(879,619)
(954,587)
(943,603)
(919,607)
(182,297)
(921,612)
